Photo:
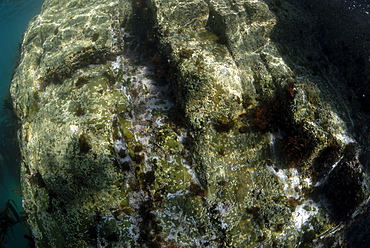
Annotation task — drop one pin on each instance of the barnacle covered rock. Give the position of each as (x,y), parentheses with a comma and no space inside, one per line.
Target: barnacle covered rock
(185,124)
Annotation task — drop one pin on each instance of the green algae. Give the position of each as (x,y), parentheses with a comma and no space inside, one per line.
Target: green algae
(107,163)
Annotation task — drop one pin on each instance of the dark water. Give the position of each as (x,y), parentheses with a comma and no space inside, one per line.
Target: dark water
(14,17)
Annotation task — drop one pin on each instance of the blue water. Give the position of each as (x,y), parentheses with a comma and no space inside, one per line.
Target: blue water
(14,17)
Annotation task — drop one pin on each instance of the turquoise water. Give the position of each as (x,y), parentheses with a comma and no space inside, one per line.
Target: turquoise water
(14,17)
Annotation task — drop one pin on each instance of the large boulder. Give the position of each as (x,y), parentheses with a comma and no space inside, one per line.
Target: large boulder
(186,124)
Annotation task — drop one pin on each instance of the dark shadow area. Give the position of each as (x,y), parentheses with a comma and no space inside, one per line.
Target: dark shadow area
(9,218)
(330,40)
(344,37)
(75,179)
(9,146)
(12,217)
(344,187)
(357,234)
(14,16)
(275,115)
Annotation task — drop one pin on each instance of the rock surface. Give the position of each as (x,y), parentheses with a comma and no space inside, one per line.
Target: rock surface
(189,124)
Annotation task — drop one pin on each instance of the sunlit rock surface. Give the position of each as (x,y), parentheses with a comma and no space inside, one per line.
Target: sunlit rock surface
(189,124)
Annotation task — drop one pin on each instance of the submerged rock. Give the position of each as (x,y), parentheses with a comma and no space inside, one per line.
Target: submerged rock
(345,188)
(186,124)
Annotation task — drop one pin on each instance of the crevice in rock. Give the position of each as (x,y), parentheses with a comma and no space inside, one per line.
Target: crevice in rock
(217,25)
(138,144)
(87,56)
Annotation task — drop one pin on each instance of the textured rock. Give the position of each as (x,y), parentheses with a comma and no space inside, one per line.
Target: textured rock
(185,124)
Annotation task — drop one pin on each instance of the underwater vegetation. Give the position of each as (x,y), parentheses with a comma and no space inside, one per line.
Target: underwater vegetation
(276,115)
(9,217)
(188,127)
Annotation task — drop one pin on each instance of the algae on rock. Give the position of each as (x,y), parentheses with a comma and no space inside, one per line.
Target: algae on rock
(182,124)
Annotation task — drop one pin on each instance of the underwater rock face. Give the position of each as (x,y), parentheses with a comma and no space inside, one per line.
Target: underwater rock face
(185,124)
